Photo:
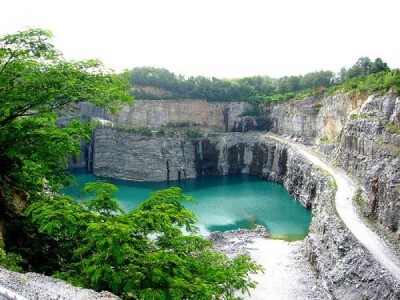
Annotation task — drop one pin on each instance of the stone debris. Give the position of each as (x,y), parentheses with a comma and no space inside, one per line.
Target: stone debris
(35,286)
(234,242)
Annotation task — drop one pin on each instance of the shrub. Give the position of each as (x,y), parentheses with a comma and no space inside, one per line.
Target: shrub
(193,133)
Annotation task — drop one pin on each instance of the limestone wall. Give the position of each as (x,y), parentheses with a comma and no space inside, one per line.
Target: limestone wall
(218,116)
(124,155)
(314,118)
(370,151)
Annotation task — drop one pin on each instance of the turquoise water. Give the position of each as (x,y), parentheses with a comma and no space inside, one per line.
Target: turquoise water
(223,203)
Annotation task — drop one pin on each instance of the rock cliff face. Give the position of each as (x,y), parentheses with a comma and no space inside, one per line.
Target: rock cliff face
(369,149)
(316,118)
(217,116)
(120,154)
(359,133)
(154,114)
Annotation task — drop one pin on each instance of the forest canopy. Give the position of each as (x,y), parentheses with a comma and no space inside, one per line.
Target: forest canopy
(257,89)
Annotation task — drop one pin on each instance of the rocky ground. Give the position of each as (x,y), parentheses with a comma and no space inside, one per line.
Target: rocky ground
(287,275)
(32,286)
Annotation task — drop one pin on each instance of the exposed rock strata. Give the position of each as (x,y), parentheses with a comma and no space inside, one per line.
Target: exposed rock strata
(346,127)
(371,152)
(124,155)
(315,118)
(353,130)
(154,114)
(247,123)
(346,268)
(216,116)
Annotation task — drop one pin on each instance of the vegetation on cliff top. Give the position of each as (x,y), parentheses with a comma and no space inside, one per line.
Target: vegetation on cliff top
(142,254)
(363,76)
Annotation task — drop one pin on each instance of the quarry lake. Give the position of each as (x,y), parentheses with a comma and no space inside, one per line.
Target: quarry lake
(223,203)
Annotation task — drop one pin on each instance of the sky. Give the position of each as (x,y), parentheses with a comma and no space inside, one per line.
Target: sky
(220,38)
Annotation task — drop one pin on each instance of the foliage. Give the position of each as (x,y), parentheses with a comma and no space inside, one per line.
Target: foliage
(253,111)
(364,76)
(364,66)
(11,261)
(179,124)
(144,131)
(104,201)
(324,139)
(35,148)
(36,82)
(193,133)
(373,83)
(392,128)
(142,254)
(256,89)
(161,132)
(359,200)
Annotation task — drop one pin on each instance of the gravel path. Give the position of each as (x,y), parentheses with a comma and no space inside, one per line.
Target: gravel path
(347,212)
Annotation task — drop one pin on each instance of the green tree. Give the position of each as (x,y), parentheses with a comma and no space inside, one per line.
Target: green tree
(104,202)
(289,84)
(317,79)
(379,66)
(361,68)
(35,83)
(142,254)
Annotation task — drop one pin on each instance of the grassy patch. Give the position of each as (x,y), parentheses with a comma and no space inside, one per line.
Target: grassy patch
(363,117)
(214,134)
(392,128)
(324,139)
(193,134)
(161,133)
(253,111)
(181,124)
(359,200)
(330,180)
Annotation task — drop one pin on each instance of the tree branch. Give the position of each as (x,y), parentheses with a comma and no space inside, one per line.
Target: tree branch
(13,54)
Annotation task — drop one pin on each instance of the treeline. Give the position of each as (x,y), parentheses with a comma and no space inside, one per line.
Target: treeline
(259,89)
